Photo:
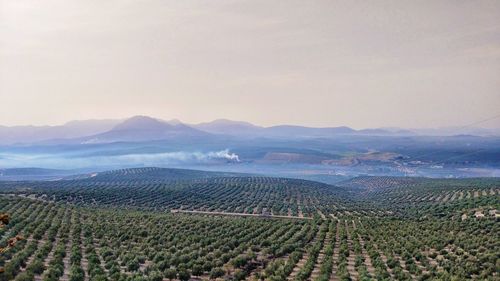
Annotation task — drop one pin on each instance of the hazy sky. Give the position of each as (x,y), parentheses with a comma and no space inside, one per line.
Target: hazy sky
(319,63)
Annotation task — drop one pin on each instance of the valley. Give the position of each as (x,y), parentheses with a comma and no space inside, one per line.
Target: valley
(249,140)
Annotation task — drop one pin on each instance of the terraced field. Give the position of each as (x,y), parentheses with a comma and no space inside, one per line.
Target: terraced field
(117,228)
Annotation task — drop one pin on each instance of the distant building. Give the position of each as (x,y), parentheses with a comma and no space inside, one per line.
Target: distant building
(265,212)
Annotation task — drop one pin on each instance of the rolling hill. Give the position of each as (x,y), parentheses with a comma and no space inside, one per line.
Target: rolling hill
(163,224)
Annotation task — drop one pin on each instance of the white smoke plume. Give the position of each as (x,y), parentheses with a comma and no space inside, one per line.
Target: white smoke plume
(183,156)
(60,161)
(224,154)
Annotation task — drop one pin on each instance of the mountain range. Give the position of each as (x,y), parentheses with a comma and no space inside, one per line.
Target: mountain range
(144,128)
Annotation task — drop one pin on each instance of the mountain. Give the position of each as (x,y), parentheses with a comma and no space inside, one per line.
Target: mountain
(142,123)
(143,128)
(245,129)
(239,128)
(229,127)
(72,129)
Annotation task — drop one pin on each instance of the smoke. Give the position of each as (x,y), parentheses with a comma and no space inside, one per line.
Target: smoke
(224,154)
(140,159)
(182,156)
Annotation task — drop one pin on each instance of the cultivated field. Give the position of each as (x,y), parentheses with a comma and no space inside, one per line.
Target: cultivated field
(115,226)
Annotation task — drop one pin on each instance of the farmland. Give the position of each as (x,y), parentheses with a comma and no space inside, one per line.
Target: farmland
(130,225)
(252,195)
(249,140)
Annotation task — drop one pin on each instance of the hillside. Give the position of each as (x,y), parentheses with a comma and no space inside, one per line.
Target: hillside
(62,241)
(174,189)
(12,174)
(72,129)
(159,224)
(167,189)
(147,175)
(143,128)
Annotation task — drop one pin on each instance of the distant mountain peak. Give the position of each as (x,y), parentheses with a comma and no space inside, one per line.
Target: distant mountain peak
(174,122)
(91,122)
(145,128)
(141,122)
(226,126)
(223,121)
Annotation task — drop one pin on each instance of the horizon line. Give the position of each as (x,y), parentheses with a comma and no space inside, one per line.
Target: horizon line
(458,127)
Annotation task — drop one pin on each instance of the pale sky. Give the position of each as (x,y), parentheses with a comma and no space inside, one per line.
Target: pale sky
(319,63)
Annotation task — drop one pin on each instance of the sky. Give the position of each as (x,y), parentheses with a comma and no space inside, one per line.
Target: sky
(363,64)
